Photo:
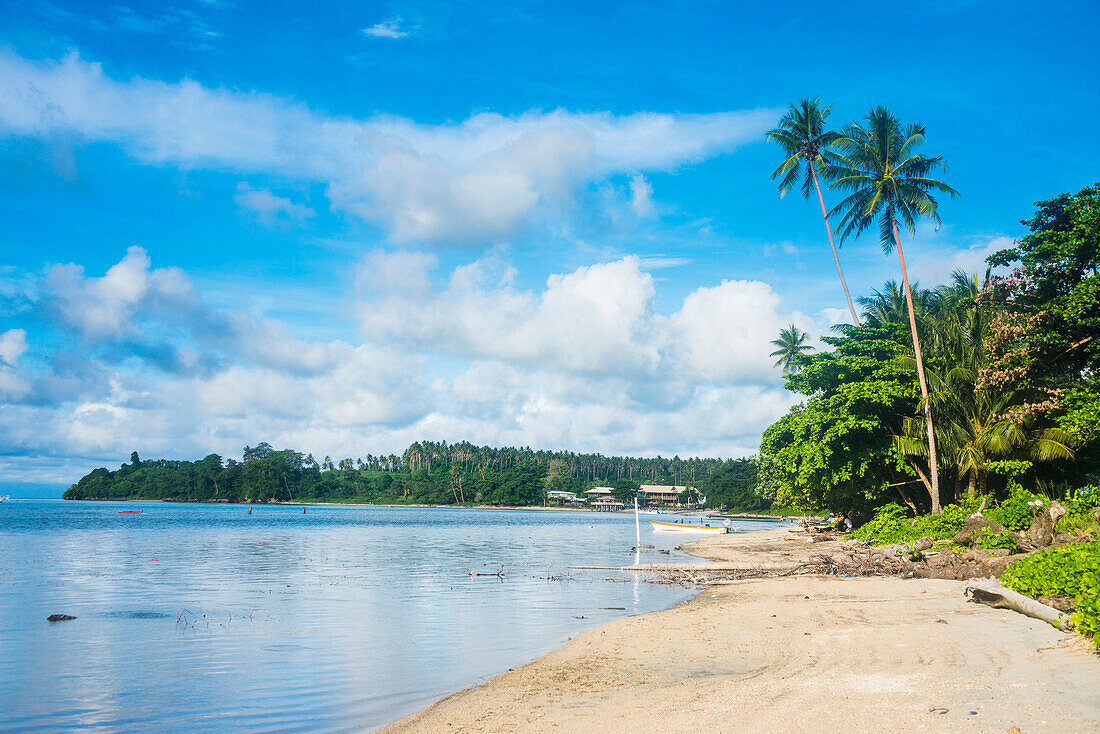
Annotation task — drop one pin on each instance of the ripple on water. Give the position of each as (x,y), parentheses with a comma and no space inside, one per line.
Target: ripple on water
(339,619)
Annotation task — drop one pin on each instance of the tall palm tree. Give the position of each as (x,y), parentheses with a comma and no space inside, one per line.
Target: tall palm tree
(890,181)
(792,345)
(802,135)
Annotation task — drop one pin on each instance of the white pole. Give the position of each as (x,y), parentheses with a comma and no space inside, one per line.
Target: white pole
(637,525)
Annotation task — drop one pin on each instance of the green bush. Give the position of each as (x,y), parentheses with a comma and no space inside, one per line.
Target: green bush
(1082,506)
(944,525)
(892,524)
(1070,571)
(1015,511)
(990,540)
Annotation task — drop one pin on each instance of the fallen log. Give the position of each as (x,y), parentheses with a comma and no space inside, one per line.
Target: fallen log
(989,591)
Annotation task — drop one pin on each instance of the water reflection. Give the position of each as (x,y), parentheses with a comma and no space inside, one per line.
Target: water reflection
(205,617)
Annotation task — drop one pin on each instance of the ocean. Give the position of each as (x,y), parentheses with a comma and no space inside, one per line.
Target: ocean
(203,617)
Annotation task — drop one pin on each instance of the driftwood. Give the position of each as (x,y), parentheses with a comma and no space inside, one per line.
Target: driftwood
(989,591)
(1045,518)
(499,573)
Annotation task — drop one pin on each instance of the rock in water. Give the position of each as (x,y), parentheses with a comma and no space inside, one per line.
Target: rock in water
(59,617)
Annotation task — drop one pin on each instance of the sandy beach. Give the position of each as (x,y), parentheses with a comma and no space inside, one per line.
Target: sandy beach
(799,653)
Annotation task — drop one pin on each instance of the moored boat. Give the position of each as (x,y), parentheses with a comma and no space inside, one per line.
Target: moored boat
(687,528)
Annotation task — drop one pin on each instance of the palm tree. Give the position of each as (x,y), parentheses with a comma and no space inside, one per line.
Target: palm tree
(972,429)
(802,135)
(889,182)
(888,306)
(792,344)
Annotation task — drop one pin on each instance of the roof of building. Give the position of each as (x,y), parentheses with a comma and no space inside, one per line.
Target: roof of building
(663,488)
(599,490)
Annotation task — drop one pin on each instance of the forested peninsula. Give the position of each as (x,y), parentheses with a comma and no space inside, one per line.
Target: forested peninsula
(425,473)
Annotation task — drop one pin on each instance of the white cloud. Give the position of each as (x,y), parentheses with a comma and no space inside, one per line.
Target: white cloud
(13,384)
(105,307)
(723,333)
(483,179)
(934,254)
(641,196)
(598,319)
(583,362)
(13,343)
(387,29)
(269,208)
(593,319)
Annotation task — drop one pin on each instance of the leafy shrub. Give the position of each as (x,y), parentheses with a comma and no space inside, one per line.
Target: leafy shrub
(1082,506)
(892,524)
(944,525)
(1070,571)
(990,540)
(1015,511)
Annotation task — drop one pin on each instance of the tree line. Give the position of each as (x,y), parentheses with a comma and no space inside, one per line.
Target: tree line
(425,473)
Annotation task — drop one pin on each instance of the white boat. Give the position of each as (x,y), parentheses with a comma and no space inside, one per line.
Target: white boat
(3,497)
(688,528)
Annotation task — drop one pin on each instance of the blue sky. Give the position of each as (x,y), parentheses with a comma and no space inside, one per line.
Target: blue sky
(344,227)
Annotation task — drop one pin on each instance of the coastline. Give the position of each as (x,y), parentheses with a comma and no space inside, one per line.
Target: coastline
(541,508)
(874,654)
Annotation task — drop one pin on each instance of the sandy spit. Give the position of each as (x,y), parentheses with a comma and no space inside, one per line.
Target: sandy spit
(794,654)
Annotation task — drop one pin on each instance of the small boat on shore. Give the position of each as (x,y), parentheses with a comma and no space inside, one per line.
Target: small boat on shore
(687,528)
(130,512)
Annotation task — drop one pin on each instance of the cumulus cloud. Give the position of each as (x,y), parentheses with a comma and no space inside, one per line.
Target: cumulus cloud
(482,179)
(387,29)
(582,362)
(593,319)
(269,208)
(106,306)
(596,319)
(723,333)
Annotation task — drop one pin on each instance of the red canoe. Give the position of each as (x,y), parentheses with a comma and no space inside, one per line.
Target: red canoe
(129,512)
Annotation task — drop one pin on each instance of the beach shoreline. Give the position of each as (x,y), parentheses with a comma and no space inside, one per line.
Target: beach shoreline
(541,508)
(874,654)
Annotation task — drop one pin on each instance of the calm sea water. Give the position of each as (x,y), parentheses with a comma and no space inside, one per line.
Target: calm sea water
(205,618)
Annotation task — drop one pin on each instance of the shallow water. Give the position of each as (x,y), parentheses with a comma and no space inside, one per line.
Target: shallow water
(205,618)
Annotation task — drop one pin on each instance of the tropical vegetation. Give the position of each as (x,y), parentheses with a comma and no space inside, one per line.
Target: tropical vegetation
(427,472)
(983,387)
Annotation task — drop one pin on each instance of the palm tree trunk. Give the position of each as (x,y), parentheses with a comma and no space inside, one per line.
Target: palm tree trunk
(972,488)
(934,489)
(836,256)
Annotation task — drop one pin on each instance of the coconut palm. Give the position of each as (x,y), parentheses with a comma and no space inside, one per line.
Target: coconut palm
(888,306)
(802,135)
(890,182)
(792,345)
(972,429)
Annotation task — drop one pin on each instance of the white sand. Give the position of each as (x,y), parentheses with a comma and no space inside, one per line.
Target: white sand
(804,653)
